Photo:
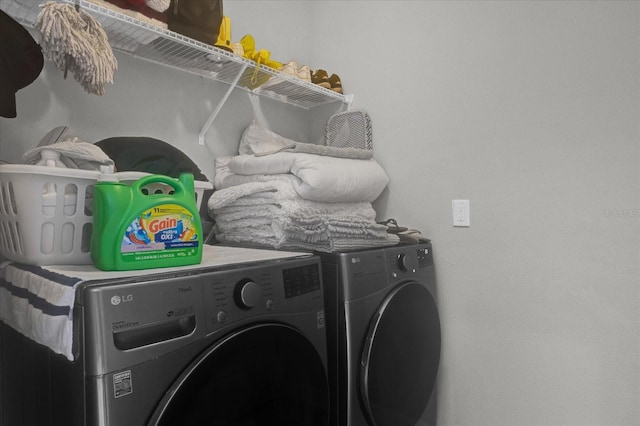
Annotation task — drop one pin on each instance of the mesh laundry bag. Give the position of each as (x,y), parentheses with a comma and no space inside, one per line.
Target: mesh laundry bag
(349,129)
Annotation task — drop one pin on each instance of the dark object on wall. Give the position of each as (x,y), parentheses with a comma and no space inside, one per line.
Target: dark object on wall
(21,62)
(197,19)
(144,154)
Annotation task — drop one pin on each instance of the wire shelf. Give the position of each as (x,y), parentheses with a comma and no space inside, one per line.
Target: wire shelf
(159,45)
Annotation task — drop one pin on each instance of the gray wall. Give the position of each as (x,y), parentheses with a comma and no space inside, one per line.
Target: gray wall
(531,111)
(528,109)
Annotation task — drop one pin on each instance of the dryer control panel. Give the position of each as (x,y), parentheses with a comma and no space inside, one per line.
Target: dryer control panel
(409,260)
(373,270)
(425,257)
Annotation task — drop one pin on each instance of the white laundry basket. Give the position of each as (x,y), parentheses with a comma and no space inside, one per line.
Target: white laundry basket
(46,213)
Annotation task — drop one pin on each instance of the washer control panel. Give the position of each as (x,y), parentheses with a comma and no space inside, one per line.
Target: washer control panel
(301,280)
(132,319)
(251,291)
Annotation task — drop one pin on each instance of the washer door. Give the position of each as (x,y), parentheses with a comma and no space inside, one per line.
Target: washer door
(268,374)
(401,357)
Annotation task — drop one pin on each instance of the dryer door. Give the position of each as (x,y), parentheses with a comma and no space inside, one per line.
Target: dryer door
(267,374)
(401,357)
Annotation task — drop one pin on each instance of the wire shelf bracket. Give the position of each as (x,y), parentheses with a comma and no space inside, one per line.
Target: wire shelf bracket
(218,107)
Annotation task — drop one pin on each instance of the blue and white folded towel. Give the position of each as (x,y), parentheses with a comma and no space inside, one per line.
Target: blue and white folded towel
(38,303)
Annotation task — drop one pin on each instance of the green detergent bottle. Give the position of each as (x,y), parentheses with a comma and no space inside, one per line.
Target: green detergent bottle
(134,229)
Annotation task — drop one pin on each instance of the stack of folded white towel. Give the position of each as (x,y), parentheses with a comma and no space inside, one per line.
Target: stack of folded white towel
(289,195)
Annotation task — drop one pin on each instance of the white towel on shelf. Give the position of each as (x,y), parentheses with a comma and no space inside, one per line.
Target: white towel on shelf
(314,177)
(279,197)
(223,177)
(259,141)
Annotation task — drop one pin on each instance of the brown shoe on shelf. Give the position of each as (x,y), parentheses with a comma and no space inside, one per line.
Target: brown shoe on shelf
(321,78)
(336,84)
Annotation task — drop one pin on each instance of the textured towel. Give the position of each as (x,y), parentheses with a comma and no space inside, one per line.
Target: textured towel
(272,214)
(321,229)
(327,246)
(273,190)
(280,194)
(279,234)
(302,213)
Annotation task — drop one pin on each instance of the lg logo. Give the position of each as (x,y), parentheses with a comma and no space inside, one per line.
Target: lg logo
(116,300)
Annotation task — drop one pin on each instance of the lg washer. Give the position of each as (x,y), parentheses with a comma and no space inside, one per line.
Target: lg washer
(238,340)
(383,336)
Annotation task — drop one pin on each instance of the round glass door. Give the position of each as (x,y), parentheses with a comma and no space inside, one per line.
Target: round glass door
(267,374)
(401,357)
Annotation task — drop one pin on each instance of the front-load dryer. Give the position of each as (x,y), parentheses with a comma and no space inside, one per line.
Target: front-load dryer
(237,340)
(383,336)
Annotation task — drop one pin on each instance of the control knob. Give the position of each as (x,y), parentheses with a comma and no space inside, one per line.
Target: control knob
(404,263)
(247,294)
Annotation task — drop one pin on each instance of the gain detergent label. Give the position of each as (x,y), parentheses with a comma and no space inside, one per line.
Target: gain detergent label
(162,232)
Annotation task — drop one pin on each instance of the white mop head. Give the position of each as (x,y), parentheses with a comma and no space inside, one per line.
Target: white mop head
(74,41)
